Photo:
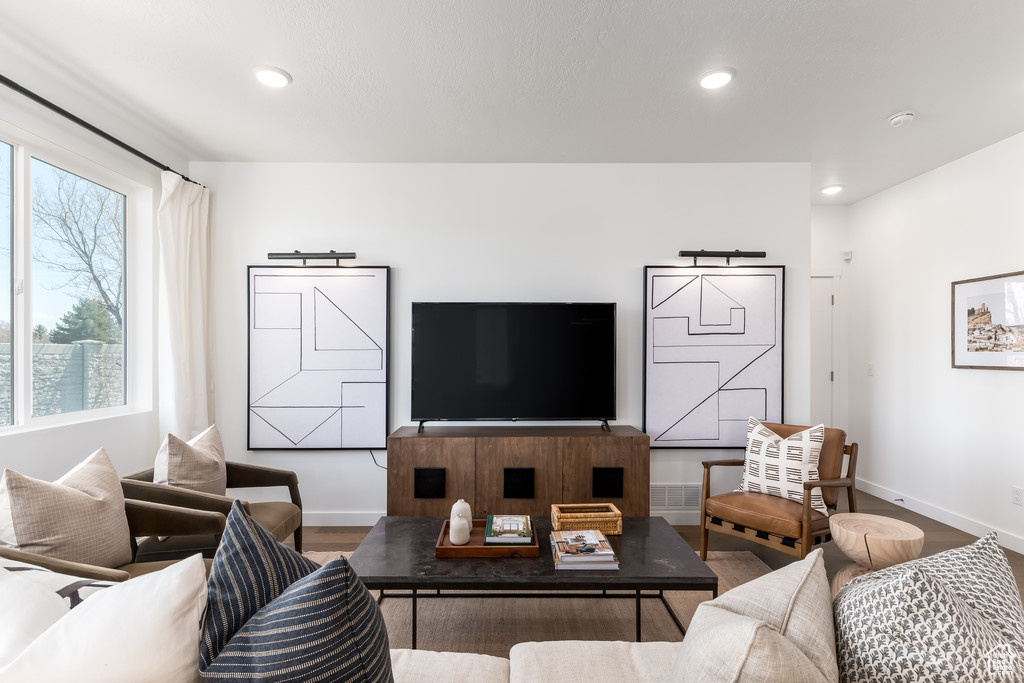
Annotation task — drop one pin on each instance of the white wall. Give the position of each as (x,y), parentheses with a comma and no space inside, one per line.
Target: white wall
(945,440)
(519,232)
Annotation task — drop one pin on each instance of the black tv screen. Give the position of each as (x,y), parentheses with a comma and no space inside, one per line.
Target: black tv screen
(513,361)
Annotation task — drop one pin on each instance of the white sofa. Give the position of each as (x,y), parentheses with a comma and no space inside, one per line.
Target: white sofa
(565,661)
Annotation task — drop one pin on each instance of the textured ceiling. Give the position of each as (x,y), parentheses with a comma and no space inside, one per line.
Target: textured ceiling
(555,81)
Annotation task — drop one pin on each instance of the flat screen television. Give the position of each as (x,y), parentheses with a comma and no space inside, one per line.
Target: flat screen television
(513,361)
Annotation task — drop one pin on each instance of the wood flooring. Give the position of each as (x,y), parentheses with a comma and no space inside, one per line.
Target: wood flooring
(937,537)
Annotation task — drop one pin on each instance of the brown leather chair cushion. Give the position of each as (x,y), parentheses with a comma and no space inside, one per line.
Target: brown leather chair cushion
(277,517)
(764,513)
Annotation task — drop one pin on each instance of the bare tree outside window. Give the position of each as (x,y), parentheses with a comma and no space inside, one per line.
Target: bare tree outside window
(78,285)
(78,230)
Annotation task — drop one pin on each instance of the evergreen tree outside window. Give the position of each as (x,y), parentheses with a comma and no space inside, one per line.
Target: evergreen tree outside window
(78,292)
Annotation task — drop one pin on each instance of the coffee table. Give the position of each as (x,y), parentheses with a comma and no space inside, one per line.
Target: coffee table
(398,554)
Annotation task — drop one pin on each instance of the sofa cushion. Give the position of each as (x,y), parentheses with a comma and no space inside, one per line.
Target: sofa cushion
(585,661)
(80,517)
(776,627)
(145,629)
(197,464)
(423,666)
(779,467)
(957,613)
(323,627)
(250,569)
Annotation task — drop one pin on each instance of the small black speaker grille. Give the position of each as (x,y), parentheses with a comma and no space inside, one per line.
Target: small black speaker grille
(428,482)
(519,482)
(607,482)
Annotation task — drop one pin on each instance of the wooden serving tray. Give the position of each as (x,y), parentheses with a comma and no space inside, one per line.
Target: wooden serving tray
(477,548)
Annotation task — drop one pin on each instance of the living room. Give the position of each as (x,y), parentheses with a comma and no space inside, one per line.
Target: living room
(498,222)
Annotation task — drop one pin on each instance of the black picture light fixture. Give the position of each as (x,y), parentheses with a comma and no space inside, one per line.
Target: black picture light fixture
(727,255)
(332,255)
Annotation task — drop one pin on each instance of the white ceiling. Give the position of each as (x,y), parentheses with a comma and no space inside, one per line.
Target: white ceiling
(548,81)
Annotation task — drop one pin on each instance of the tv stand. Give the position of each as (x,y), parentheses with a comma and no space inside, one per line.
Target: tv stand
(419,429)
(517,470)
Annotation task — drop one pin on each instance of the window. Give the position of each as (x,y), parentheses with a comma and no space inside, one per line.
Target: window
(6,283)
(62,294)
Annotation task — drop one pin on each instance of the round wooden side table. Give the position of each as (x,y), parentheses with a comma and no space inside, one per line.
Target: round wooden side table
(872,542)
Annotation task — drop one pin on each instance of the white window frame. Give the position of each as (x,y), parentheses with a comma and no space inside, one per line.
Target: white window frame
(138,330)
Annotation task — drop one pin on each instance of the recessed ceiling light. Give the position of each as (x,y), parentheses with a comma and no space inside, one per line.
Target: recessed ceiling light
(901,118)
(272,77)
(832,189)
(716,78)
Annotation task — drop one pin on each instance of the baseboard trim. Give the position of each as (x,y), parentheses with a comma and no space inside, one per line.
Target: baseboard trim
(689,518)
(677,518)
(967,524)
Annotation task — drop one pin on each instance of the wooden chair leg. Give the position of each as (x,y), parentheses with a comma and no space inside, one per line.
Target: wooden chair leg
(703,538)
(297,536)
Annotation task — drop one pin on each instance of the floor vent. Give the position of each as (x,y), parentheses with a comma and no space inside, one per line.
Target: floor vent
(675,496)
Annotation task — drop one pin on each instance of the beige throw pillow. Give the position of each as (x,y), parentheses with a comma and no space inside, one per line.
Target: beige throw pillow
(80,517)
(775,628)
(197,464)
(779,467)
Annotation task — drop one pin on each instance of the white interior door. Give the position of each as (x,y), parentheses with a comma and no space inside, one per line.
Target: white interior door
(822,350)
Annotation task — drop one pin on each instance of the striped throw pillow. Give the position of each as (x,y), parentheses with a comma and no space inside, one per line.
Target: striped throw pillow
(250,570)
(324,627)
(779,467)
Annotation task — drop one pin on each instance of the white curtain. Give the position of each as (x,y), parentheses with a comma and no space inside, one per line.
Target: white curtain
(185,344)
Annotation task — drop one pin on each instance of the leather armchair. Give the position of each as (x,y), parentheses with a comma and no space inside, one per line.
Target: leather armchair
(281,518)
(144,519)
(777,522)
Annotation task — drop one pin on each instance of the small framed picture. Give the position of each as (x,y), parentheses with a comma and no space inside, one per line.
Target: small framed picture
(988,322)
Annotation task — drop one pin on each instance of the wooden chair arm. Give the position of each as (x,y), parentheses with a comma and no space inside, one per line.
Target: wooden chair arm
(830,483)
(245,475)
(177,496)
(86,571)
(141,475)
(708,464)
(155,519)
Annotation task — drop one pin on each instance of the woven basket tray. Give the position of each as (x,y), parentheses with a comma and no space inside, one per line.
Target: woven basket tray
(602,516)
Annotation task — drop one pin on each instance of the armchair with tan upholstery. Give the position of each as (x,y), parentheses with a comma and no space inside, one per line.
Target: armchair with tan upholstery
(777,522)
(281,518)
(144,519)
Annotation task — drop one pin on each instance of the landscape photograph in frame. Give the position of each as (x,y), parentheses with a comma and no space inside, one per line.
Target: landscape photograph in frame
(988,322)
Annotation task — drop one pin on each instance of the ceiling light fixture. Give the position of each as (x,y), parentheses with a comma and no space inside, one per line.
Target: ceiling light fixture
(900,118)
(716,78)
(272,77)
(832,189)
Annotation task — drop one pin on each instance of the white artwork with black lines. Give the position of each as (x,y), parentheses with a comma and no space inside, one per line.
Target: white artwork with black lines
(318,357)
(712,353)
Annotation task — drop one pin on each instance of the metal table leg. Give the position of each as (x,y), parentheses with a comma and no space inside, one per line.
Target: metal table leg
(413,618)
(638,616)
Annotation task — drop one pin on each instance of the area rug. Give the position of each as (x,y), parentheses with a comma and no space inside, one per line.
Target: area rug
(493,625)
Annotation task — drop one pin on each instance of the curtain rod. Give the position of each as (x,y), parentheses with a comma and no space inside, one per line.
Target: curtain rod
(21,90)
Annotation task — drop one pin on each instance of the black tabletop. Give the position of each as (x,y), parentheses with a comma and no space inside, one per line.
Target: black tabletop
(399,553)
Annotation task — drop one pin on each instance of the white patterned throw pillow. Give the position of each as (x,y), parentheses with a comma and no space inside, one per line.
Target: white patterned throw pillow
(779,467)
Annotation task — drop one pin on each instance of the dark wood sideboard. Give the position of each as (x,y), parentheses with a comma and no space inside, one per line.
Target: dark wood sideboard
(517,470)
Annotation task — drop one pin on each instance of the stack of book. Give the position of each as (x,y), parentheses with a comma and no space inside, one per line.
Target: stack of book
(508,530)
(588,549)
